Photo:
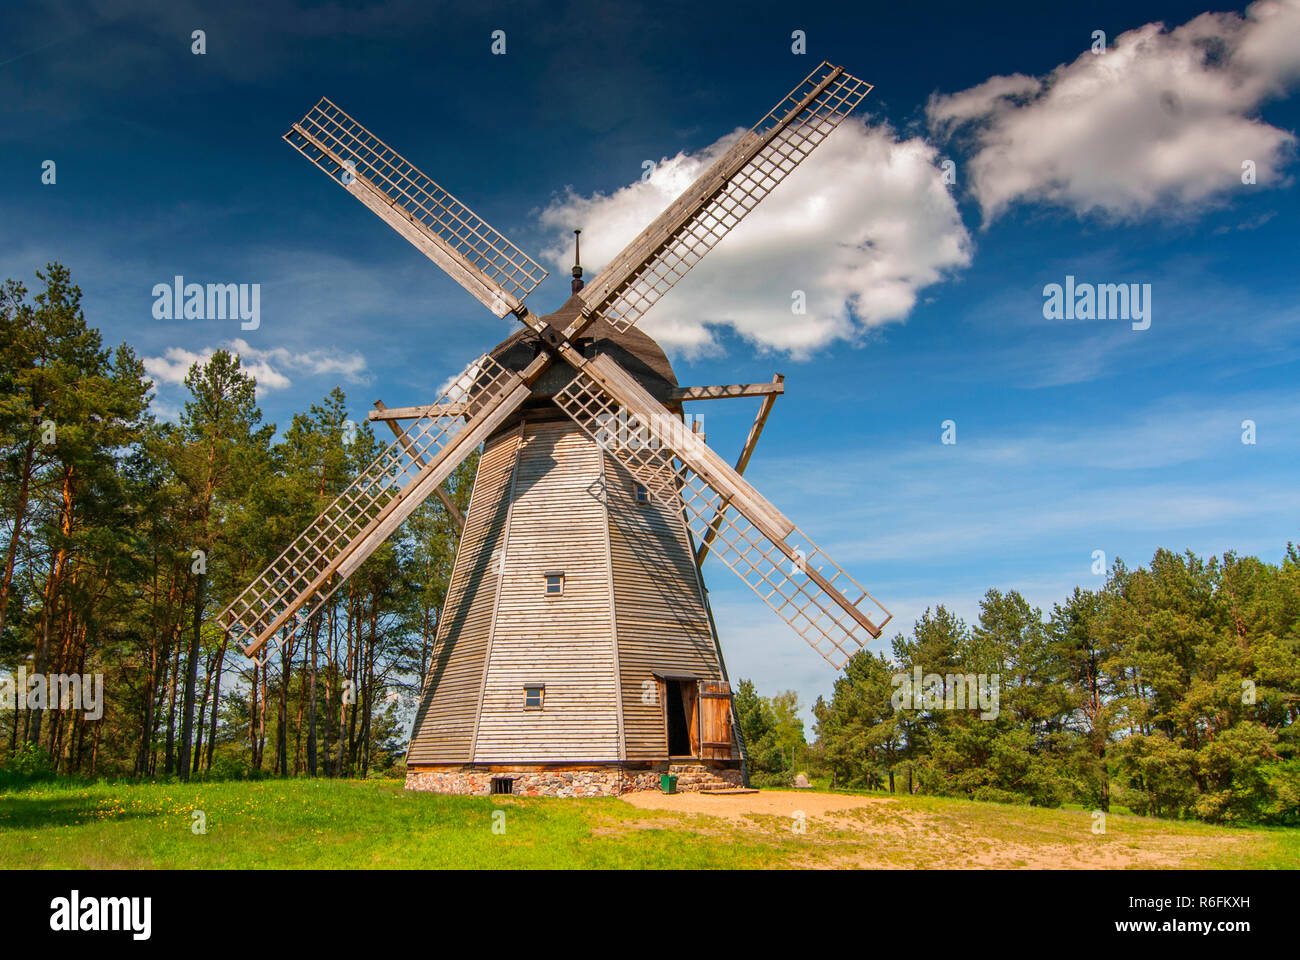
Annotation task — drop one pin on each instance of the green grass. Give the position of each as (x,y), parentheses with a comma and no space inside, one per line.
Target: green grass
(376,824)
(336,824)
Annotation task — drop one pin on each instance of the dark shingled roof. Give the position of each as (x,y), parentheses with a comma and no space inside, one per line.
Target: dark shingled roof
(638,353)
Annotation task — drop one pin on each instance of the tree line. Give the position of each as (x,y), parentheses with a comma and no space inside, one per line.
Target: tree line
(123,535)
(1173,690)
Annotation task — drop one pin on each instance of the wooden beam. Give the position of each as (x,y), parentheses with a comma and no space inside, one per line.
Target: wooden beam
(449,457)
(720,391)
(715,471)
(742,461)
(457,518)
(728,390)
(764,408)
(415,413)
(486,290)
(637,258)
(661,230)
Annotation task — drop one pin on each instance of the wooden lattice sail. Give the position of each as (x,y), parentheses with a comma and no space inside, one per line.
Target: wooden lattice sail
(778,561)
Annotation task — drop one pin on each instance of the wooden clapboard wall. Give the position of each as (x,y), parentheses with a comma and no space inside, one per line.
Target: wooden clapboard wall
(660,618)
(444,724)
(557,524)
(547,500)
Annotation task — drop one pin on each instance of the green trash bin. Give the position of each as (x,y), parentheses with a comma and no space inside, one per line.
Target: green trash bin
(668,782)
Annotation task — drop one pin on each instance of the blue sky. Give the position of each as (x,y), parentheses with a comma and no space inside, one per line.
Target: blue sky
(925,298)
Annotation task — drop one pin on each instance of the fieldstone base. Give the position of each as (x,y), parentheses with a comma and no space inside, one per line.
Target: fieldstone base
(603,781)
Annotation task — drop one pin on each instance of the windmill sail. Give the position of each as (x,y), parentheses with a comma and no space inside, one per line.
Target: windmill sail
(694,223)
(781,564)
(500,275)
(298,582)
(450,234)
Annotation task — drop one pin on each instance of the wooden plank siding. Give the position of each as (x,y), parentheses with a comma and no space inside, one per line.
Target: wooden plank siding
(659,611)
(557,525)
(444,723)
(547,500)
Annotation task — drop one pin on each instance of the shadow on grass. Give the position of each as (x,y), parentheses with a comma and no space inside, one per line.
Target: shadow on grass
(25,814)
(11,782)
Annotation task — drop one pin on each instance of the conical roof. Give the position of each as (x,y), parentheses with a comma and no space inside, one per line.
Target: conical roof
(635,351)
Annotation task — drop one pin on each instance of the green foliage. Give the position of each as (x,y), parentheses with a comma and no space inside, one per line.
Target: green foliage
(121,531)
(232,765)
(771,730)
(1174,691)
(859,730)
(29,762)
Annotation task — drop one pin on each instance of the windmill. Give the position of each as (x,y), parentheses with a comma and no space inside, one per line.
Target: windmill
(576,652)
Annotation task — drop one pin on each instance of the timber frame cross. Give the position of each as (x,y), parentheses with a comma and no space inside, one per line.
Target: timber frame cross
(726,515)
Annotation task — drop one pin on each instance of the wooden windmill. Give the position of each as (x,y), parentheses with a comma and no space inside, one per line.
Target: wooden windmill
(576,652)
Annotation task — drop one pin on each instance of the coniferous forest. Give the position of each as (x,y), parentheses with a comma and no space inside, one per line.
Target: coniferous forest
(125,535)
(1173,690)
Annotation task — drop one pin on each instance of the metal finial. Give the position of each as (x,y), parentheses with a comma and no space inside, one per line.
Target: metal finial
(577,261)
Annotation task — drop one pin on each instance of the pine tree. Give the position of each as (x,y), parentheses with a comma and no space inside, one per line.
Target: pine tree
(218,443)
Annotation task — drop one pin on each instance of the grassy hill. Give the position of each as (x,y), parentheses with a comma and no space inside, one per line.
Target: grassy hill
(377,824)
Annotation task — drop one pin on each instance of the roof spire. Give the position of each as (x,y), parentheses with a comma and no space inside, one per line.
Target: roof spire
(577,261)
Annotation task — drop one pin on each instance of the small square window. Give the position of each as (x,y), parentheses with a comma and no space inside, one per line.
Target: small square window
(533,697)
(554,584)
(642,494)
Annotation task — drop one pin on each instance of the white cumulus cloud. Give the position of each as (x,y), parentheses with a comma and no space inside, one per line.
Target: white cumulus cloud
(267,367)
(1162,120)
(860,227)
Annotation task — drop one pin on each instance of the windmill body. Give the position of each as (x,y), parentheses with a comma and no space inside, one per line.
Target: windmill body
(576,653)
(576,638)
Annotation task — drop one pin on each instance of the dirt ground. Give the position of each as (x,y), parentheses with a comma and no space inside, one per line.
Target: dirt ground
(844,831)
(737,806)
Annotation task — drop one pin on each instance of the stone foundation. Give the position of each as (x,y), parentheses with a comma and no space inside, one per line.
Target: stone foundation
(596,781)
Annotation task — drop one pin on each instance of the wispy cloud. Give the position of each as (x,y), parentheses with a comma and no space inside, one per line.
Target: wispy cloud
(994,493)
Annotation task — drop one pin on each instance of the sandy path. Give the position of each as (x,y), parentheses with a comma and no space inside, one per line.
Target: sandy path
(877,832)
(737,806)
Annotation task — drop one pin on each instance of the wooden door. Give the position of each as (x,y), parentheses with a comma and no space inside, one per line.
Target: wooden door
(691,706)
(715,720)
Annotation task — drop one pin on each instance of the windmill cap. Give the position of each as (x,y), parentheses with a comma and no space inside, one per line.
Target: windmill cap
(635,351)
